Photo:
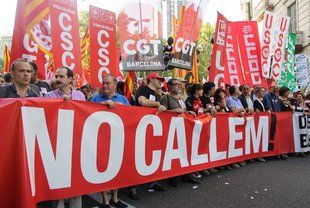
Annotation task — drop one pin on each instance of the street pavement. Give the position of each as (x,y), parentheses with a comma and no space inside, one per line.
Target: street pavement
(267,184)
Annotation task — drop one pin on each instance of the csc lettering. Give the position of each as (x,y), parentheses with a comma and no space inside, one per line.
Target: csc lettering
(102,53)
(132,47)
(66,38)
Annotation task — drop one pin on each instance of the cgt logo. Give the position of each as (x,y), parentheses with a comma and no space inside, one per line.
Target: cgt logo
(143,46)
(186,46)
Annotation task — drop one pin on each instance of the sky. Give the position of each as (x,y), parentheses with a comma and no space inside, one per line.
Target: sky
(229,8)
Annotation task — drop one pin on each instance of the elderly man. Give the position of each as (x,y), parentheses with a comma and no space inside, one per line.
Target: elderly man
(271,99)
(64,79)
(246,100)
(20,88)
(109,97)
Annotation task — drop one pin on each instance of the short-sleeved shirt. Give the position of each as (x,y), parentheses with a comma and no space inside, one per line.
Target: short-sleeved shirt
(9,91)
(193,104)
(117,98)
(233,102)
(172,103)
(75,94)
(148,93)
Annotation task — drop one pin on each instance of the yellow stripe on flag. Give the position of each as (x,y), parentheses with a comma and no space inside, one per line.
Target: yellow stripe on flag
(37,19)
(32,6)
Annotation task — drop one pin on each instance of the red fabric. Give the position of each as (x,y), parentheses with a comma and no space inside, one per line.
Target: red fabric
(218,59)
(250,52)
(181,130)
(65,35)
(103,51)
(233,70)
(22,45)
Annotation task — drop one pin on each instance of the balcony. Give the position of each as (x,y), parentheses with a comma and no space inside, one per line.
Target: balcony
(261,7)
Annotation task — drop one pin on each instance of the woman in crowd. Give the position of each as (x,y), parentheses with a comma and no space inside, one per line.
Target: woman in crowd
(220,100)
(259,97)
(193,102)
(299,104)
(285,104)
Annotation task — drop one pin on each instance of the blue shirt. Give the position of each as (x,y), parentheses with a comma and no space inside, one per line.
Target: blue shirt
(118,98)
(271,102)
(233,102)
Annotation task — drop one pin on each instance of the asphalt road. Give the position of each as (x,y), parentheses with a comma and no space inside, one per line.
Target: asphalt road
(259,184)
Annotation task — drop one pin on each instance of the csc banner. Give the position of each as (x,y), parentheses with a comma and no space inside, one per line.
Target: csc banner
(250,53)
(140,38)
(60,149)
(218,59)
(65,35)
(103,53)
(301,132)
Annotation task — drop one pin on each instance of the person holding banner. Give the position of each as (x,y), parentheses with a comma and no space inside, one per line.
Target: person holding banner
(20,88)
(233,102)
(246,100)
(64,79)
(147,96)
(207,98)
(193,102)
(109,97)
(271,99)
(259,98)
(285,104)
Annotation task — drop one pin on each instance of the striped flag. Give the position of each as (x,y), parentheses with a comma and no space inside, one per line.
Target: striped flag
(6,59)
(35,11)
(129,84)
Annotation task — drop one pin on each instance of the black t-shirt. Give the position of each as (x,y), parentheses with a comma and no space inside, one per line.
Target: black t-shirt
(284,106)
(193,104)
(146,92)
(44,87)
(9,91)
(258,105)
(206,102)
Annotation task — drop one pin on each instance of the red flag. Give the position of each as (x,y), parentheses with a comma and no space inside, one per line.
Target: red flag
(250,52)
(22,45)
(219,52)
(233,70)
(129,84)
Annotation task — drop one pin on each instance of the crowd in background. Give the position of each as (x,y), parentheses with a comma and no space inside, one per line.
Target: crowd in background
(175,95)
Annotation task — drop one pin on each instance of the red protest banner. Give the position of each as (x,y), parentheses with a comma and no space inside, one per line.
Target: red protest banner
(103,51)
(61,149)
(233,70)
(219,52)
(279,50)
(65,35)
(22,45)
(250,53)
(267,42)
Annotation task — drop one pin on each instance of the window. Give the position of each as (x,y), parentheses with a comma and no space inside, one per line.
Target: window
(291,10)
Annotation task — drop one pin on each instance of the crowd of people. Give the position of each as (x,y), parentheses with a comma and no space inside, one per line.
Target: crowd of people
(175,95)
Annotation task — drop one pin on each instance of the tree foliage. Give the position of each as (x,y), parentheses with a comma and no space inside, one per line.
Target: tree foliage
(205,46)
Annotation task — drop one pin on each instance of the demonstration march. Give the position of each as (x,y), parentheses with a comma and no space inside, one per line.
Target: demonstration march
(100,103)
